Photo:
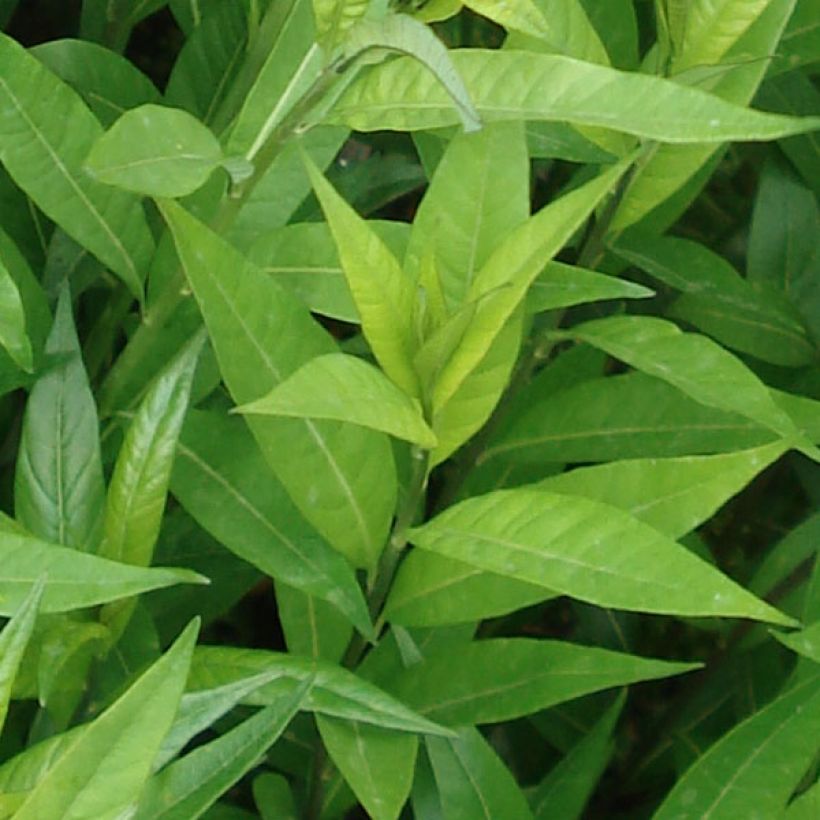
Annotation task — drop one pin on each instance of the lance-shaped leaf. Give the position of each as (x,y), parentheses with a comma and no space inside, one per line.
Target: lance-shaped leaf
(376,763)
(345,388)
(189,786)
(472,780)
(385,297)
(74,580)
(805,643)
(139,485)
(504,678)
(336,691)
(339,476)
(694,364)
(511,269)
(588,550)
(155,151)
(755,767)
(59,490)
(569,784)
(13,335)
(510,85)
(106,766)
(217,478)
(13,641)
(806,806)
(46,160)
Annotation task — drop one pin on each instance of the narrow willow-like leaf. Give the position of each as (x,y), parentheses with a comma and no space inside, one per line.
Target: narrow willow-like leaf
(612,558)
(504,678)
(472,781)
(694,364)
(509,85)
(339,476)
(756,766)
(188,787)
(377,764)
(74,580)
(511,269)
(344,388)
(155,151)
(13,335)
(13,641)
(45,160)
(59,490)
(336,691)
(222,480)
(105,768)
(384,295)
(108,82)
(139,485)
(566,789)
(805,643)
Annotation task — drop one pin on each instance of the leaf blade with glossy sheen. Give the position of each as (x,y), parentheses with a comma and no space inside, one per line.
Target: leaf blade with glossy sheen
(344,388)
(522,534)
(13,335)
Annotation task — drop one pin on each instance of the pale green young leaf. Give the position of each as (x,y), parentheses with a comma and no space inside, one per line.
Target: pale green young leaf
(334,18)
(524,16)
(13,335)
(108,82)
(14,638)
(75,580)
(500,679)
(626,563)
(509,85)
(695,365)
(345,388)
(46,160)
(511,269)
(384,295)
(217,478)
(107,765)
(59,490)
(155,151)
(479,193)
(376,763)
(139,484)
(566,789)
(336,691)
(805,643)
(339,476)
(754,768)
(473,783)
(188,787)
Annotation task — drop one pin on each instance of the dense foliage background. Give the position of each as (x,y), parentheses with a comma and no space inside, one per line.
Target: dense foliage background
(518,515)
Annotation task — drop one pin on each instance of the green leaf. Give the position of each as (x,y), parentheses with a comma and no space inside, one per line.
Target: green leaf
(108,82)
(339,476)
(560,285)
(74,580)
(524,16)
(806,806)
(104,770)
(626,564)
(336,691)
(45,160)
(509,85)
(155,151)
(805,643)
(139,485)
(344,388)
(13,641)
(273,798)
(336,17)
(378,764)
(756,766)
(384,295)
(13,322)
(566,789)
(501,679)
(186,788)
(222,480)
(694,364)
(473,783)
(59,490)
(479,193)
